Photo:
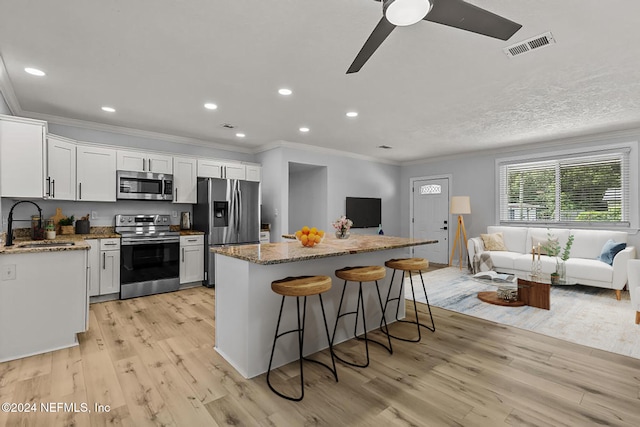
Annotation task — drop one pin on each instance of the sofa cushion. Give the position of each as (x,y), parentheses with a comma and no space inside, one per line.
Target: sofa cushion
(542,235)
(591,269)
(523,263)
(503,259)
(610,250)
(514,237)
(588,243)
(493,242)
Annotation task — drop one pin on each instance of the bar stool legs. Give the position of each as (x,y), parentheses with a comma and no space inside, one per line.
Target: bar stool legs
(360,309)
(416,322)
(300,332)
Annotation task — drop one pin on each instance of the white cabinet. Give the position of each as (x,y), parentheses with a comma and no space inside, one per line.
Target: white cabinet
(254,173)
(96,174)
(104,266)
(144,162)
(93,284)
(191,259)
(185,180)
(109,266)
(61,168)
(209,168)
(22,152)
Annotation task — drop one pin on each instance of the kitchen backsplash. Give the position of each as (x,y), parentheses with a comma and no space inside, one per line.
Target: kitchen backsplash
(104,213)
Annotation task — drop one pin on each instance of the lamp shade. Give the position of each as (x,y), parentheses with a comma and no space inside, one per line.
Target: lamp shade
(460,205)
(405,12)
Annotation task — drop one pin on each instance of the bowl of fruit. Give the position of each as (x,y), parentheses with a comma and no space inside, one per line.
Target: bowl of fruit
(309,237)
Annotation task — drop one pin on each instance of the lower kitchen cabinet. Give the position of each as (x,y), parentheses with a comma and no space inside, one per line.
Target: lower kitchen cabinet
(104,265)
(191,259)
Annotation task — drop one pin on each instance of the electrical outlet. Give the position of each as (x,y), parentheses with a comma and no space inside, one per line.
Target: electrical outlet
(94,215)
(174,214)
(8,272)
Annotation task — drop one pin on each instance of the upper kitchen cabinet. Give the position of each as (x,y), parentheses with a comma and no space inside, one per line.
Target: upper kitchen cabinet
(96,174)
(144,162)
(218,169)
(22,152)
(254,173)
(61,168)
(184,180)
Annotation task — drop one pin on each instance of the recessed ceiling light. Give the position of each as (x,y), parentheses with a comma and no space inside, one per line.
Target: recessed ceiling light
(352,114)
(109,109)
(303,129)
(210,106)
(385,147)
(285,91)
(35,72)
(240,135)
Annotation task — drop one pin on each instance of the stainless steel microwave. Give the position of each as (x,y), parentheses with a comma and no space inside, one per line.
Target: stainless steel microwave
(144,186)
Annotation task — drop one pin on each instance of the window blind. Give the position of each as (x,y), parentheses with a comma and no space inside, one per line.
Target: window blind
(578,189)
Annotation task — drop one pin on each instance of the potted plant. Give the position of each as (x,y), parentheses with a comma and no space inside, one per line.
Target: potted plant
(552,247)
(66,225)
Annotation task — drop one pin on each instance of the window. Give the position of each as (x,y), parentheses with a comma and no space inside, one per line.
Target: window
(575,190)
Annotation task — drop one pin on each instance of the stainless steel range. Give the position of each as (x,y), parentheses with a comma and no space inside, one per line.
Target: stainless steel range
(149,255)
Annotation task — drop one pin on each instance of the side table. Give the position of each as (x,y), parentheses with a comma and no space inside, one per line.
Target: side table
(534,294)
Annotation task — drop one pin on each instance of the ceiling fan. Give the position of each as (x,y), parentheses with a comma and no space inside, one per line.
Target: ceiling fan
(453,13)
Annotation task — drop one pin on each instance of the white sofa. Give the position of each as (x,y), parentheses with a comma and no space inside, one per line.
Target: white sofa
(582,265)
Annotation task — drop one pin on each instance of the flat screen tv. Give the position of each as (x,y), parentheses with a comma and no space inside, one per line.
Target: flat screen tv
(364,211)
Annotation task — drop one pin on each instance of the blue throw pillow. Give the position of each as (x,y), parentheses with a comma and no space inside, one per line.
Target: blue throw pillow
(609,251)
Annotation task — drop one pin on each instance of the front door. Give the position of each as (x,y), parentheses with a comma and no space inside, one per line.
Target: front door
(430,218)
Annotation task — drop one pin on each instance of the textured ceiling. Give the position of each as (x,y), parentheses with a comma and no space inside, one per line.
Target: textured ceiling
(429,90)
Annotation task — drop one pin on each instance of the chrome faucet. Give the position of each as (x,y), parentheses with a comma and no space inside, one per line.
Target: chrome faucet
(10,220)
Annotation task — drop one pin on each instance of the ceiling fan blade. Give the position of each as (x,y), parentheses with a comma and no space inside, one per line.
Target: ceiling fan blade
(465,16)
(382,30)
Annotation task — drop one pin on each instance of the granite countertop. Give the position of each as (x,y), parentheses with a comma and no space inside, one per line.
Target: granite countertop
(278,253)
(191,233)
(78,239)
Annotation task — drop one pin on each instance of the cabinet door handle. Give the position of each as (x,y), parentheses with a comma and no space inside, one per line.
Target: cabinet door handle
(182,254)
(48,186)
(110,244)
(176,191)
(79,191)
(149,165)
(144,165)
(53,191)
(191,240)
(104,260)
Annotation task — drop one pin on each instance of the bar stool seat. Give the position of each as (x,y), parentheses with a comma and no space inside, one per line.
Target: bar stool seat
(360,275)
(408,265)
(302,286)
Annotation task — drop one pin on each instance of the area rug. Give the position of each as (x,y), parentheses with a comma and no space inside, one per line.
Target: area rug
(581,314)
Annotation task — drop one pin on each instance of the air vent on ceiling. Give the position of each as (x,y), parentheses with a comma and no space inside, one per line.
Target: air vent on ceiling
(227,126)
(536,42)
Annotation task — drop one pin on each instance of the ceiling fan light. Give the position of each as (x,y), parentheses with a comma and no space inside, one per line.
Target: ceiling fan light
(406,12)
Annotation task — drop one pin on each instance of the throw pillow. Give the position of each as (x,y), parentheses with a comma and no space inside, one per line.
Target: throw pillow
(493,242)
(544,242)
(609,251)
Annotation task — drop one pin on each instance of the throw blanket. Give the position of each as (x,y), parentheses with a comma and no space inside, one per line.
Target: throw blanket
(481,258)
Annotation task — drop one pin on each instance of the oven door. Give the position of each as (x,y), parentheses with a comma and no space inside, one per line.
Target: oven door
(149,267)
(144,186)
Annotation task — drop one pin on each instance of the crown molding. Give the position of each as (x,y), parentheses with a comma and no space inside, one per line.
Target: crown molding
(631,134)
(84,124)
(6,91)
(322,150)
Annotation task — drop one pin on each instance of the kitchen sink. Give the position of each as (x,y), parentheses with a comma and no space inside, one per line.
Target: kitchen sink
(45,245)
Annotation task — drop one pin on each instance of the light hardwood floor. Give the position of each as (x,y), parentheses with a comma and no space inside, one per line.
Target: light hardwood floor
(152,361)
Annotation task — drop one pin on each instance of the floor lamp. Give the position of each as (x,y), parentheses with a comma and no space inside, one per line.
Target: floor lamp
(460,205)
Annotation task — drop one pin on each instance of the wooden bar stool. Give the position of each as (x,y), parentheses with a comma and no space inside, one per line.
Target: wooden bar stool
(302,286)
(408,265)
(361,274)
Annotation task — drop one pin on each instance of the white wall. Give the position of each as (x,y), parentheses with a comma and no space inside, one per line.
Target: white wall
(307,197)
(346,176)
(474,176)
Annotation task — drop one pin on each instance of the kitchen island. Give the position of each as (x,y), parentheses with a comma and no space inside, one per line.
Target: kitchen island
(247,309)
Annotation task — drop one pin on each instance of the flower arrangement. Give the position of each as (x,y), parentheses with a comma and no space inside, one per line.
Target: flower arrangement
(342,225)
(554,250)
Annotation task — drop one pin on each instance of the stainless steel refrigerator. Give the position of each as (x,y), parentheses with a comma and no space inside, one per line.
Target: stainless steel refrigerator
(228,211)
